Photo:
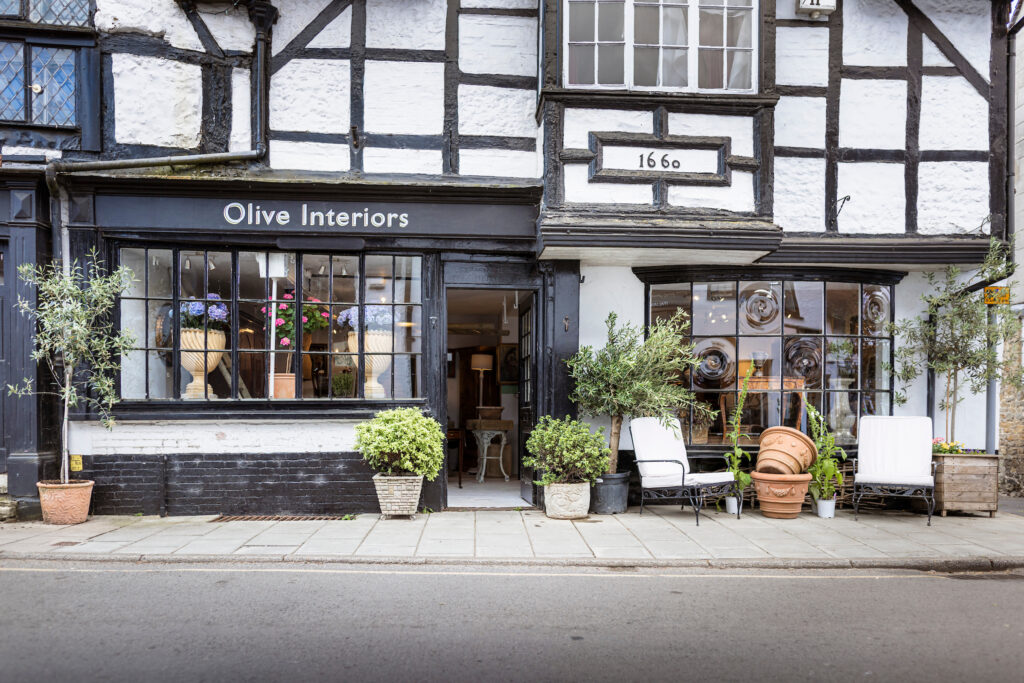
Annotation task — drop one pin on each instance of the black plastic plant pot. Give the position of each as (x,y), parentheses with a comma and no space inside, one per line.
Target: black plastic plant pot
(610,494)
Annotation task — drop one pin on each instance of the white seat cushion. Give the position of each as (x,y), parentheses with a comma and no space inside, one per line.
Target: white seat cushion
(654,441)
(692,479)
(895,450)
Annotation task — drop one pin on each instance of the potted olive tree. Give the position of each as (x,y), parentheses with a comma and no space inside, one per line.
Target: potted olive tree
(824,471)
(634,377)
(569,457)
(76,341)
(404,446)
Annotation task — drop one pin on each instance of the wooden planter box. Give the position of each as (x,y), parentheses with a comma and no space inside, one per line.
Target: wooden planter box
(968,482)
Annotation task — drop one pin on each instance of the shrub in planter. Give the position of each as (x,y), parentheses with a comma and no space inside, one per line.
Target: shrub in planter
(570,458)
(404,446)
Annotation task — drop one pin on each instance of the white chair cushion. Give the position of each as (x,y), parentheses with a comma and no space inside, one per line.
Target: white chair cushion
(895,450)
(654,441)
(692,479)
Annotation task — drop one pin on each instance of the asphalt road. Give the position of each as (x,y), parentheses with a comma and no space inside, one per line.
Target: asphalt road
(142,622)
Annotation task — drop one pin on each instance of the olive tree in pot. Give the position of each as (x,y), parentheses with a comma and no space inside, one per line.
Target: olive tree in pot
(634,377)
(76,341)
(824,471)
(569,457)
(404,446)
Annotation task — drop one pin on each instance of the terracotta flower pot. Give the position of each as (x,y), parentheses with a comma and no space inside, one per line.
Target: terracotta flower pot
(284,385)
(780,495)
(65,503)
(785,450)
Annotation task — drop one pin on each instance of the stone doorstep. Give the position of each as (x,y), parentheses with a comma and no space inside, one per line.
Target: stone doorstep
(3,485)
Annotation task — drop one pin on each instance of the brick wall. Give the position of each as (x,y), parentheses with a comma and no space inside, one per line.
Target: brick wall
(200,484)
(1011,428)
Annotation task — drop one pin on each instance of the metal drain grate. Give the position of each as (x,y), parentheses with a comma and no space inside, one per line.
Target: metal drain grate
(278,518)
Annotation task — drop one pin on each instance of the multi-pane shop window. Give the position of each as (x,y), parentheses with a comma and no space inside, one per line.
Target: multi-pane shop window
(697,45)
(823,342)
(251,325)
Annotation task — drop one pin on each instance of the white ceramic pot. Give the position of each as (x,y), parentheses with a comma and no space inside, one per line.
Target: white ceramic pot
(398,495)
(732,505)
(826,509)
(376,342)
(567,501)
(200,364)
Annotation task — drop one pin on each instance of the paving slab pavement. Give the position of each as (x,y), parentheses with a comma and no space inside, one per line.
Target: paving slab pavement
(661,536)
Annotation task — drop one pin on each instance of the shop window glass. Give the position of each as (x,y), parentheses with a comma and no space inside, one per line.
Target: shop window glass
(662,44)
(289,326)
(824,341)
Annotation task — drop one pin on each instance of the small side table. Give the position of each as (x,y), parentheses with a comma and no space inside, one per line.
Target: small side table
(456,435)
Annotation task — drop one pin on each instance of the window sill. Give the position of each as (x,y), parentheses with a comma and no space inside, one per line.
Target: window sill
(744,103)
(308,409)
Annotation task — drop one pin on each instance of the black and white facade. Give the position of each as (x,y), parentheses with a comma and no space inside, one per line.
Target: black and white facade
(785,176)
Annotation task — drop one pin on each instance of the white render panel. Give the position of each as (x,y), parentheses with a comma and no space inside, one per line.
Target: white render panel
(800,194)
(212,436)
(605,290)
(295,106)
(9,150)
(801,56)
(800,122)
(907,304)
(231,29)
(874,33)
(501,4)
(740,129)
(158,18)
(338,33)
(406,24)
(381,160)
(404,97)
(156,101)
(579,123)
(873,114)
(952,197)
(953,114)
(499,162)
(241,116)
(931,54)
(739,196)
(498,45)
(967,24)
(877,198)
(308,156)
(579,190)
(485,110)
(292,17)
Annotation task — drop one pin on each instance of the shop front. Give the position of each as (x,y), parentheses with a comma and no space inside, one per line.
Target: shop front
(269,319)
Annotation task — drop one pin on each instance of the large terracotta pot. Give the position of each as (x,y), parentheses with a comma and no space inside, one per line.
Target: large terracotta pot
(785,450)
(780,495)
(284,385)
(375,342)
(65,503)
(198,363)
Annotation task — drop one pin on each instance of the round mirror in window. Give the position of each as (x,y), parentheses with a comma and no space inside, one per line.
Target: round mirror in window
(760,307)
(717,368)
(803,361)
(875,310)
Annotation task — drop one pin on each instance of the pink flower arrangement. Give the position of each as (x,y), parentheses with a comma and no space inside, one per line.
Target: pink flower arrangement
(285,341)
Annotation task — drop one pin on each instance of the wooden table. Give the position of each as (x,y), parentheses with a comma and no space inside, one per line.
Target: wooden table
(968,482)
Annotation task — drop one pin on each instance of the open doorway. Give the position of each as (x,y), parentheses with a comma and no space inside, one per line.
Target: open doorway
(488,386)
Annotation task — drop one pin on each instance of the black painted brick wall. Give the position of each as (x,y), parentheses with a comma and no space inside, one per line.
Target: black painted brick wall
(287,483)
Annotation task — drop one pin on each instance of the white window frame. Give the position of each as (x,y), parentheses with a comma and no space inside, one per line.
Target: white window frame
(693,38)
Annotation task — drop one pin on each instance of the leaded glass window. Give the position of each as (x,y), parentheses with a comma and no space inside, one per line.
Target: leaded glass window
(50,73)
(54,12)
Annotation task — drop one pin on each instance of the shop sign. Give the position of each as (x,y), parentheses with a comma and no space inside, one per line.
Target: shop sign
(997,295)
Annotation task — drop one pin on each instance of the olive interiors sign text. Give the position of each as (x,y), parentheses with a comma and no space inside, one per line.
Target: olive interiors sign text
(250,213)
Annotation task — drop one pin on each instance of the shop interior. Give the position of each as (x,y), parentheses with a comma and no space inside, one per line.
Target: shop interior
(483,398)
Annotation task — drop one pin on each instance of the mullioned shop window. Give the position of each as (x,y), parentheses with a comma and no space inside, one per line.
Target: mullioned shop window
(823,342)
(268,326)
(676,45)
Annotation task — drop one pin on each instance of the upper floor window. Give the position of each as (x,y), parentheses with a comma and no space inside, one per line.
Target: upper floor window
(693,45)
(38,83)
(58,12)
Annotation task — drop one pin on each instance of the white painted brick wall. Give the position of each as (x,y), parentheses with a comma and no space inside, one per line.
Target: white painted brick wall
(873,114)
(311,95)
(953,114)
(800,194)
(801,56)
(406,24)
(498,45)
(877,202)
(404,97)
(874,33)
(338,33)
(967,24)
(156,101)
(293,16)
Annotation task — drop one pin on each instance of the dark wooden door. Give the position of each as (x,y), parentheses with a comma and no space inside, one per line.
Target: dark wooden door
(527,393)
(6,311)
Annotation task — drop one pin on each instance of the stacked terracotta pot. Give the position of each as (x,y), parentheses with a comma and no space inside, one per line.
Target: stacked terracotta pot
(780,476)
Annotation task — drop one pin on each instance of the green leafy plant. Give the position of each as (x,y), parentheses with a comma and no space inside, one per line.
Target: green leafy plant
(824,471)
(402,441)
(631,376)
(75,337)
(343,382)
(958,336)
(566,451)
(735,456)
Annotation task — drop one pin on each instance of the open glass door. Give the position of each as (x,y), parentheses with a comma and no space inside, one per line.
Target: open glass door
(527,394)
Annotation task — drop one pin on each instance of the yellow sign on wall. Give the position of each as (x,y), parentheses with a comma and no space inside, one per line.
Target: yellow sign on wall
(75,462)
(997,295)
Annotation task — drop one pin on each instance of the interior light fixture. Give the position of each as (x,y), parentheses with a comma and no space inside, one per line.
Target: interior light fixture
(322,269)
(213,265)
(188,264)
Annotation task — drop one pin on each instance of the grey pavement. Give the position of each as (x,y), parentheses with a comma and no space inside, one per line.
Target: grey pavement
(663,535)
(90,621)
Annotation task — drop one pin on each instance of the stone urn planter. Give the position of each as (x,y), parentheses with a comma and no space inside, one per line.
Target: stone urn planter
(199,363)
(376,343)
(784,450)
(567,501)
(398,495)
(780,495)
(65,503)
